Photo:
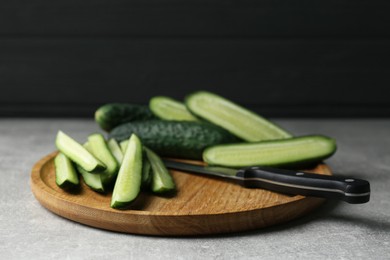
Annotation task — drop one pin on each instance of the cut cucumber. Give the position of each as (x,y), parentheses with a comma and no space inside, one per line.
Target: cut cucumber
(296,151)
(146,172)
(66,175)
(162,180)
(115,150)
(78,154)
(128,182)
(241,122)
(92,180)
(99,148)
(169,109)
(123,145)
(111,115)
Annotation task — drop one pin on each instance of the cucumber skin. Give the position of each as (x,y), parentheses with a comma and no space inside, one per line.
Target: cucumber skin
(111,115)
(327,142)
(184,139)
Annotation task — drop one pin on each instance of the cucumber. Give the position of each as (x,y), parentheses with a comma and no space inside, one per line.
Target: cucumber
(115,150)
(291,152)
(182,139)
(66,176)
(78,154)
(99,148)
(92,180)
(111,115)
(128,182)
(241,122)
(146,172)
(167,108)
(162,180)
(123,145)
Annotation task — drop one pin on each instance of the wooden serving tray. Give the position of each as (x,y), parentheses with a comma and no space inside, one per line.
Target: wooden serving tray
(202,205)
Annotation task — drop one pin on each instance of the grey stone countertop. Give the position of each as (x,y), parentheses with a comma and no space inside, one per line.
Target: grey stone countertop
(336,230)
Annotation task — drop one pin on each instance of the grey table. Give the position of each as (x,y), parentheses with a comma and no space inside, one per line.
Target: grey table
(334,231)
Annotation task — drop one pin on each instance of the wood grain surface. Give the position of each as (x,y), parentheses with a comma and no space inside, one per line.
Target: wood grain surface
(201,206)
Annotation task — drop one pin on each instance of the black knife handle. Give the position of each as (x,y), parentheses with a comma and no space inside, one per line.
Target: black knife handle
(350,190)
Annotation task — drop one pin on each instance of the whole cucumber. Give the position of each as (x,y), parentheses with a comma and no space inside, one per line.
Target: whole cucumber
(111,115)
(180,139)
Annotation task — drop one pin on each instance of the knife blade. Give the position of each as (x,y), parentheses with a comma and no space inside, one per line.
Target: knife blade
(348,189)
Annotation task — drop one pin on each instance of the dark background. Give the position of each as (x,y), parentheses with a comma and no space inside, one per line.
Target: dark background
(324,58)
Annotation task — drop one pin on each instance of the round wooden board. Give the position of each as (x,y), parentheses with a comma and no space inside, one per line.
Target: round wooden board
(202,205)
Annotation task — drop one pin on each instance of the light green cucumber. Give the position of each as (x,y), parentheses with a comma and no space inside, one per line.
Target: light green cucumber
(115,150)
(128,182)
(92,180)
(66,175)
(162,180)
(167,108)
(241,122)
(78,154)
(123,145)
(146,172)
(296,151)
(99,148)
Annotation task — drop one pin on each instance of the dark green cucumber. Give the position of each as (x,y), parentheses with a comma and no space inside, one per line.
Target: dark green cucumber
(162,181)
(111,115)
(78,154)
(240,121)
(182,139)
(97,145)
(66,175)
(92,180)
(128,183)
(296,151)
(167,108)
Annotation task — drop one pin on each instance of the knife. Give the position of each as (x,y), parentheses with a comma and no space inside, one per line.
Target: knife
(351,190)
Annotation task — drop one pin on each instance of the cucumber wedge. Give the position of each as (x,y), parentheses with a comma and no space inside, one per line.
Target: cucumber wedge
(92,180)
(167,108)
(123,145)
(146,172)
(239,121)
(162,180)
(296,151)
(78,154)
(115,150)
(66,175)
(128,182)
(99,148)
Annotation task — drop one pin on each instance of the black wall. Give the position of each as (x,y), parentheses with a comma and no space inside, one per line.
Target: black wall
(278,57)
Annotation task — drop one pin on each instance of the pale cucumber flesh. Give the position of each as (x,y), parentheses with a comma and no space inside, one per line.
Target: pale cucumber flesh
(99,148)
(115,150)
(92,180)
(162,180)
(77,153)
(283,152)
(241,122)
(169,109)
(128,182)
(66,175)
